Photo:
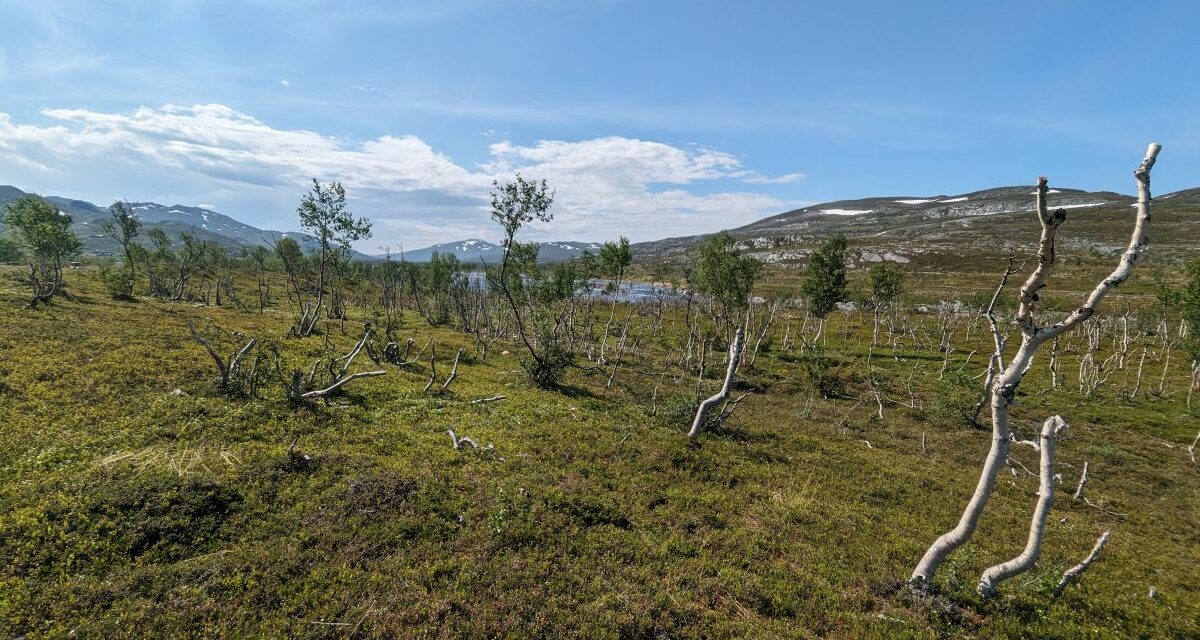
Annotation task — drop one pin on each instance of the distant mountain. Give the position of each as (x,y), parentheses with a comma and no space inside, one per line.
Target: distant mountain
(205,224)
(953,229)
(475,250)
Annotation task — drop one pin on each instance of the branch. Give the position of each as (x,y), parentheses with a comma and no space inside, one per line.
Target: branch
(221,367)
(1125,266)
(339,384)
(1072,574)
(453,371)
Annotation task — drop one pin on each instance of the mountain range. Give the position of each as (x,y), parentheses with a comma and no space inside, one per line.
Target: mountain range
(933,230)
(211,226)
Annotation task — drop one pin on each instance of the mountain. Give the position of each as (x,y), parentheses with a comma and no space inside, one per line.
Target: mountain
(943,229)
(475,250)
(205,224)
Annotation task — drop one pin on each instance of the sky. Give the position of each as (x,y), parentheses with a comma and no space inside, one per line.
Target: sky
(650,118)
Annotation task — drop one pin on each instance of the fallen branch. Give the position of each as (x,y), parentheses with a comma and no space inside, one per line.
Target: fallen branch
(321,393)
(1072,574)
(491,399)
(459,442)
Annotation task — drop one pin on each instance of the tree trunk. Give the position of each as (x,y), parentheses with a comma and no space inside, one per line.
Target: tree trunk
(993,576)
(735,354)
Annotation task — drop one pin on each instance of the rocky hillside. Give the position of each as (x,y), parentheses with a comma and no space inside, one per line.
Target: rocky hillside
(951,229)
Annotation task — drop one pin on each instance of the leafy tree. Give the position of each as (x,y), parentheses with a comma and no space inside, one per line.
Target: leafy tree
(824,283)
(613,259)
(123,227)
(46,235)
(887,283)
(323,213)
(724,276)
(514,205)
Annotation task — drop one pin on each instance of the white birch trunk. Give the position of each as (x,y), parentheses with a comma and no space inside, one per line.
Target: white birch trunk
(735,354)
(993,576)
(1005,385)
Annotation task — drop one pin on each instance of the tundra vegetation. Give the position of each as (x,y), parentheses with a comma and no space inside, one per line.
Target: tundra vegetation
(197,443)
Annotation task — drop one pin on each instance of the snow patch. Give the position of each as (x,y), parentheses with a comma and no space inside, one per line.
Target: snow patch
(962,199)
(846,212)
(1075,206)
(914,201)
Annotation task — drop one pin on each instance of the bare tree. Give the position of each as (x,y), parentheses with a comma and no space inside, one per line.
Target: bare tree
(1004,387)
(229,369)
(735,354)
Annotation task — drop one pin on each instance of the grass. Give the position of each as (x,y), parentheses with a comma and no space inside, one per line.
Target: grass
(130,510)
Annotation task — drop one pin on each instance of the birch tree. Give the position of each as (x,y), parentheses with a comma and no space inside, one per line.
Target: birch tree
(49,243)
(1004,386)
(323,213)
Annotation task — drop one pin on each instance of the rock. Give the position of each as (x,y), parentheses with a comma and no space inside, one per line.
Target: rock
(847,307)
(179,392)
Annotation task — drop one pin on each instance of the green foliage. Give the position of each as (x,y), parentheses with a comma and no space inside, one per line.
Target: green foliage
(1189,300)
(724,275)
(824,283)
(10,251)
(820,371)
(123,227)
(323,213)
(48,241)
(192,515)
(42,229)
(886,281)
(518,202)
(515,204)
(614,259)
(118,280)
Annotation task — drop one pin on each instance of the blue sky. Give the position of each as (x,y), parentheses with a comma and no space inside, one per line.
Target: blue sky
(652,118)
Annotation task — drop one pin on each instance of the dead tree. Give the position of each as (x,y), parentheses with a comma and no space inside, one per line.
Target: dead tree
(432,369)
(228,369)
(1072,574)
(453,371)
(1004,387)
(993,576)
(340,377)
(1083,480)
(735,354)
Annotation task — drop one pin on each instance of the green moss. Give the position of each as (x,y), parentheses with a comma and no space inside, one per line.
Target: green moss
(130,510)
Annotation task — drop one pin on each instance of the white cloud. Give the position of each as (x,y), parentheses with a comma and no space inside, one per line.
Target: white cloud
(285,82)
(606,186)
